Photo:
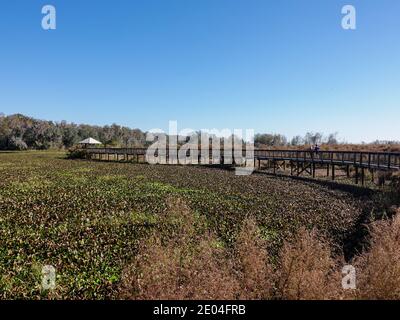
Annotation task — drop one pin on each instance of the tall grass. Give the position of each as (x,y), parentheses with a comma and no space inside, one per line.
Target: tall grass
(186,265)
(192,263)
(306,269)
(379,267)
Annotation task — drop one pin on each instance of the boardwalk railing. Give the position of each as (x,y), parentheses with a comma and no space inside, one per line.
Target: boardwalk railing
(130,151)
(299,161)
(370,160)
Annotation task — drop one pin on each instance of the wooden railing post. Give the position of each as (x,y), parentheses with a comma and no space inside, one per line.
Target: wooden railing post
(356,174)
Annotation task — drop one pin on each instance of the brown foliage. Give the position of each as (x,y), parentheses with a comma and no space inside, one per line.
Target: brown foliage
(198,266)
(378,275)
(255,271)
(184,266)
(307,270)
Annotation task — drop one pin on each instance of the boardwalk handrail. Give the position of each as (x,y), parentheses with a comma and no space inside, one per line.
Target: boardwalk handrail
(330,151)
(299,161)
(262,150)
(364,159)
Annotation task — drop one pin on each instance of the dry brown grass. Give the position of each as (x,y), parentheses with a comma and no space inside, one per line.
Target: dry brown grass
(196,265)
(378,275)
(307,269)
(184,266)
(364,147)
(168,272)
(255,273)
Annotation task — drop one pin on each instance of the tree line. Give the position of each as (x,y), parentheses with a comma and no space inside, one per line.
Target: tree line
(310,138)
(19,132)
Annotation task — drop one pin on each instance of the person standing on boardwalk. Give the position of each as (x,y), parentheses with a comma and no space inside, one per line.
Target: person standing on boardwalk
(314,150)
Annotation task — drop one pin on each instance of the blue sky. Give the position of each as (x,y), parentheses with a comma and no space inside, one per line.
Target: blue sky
(282,66)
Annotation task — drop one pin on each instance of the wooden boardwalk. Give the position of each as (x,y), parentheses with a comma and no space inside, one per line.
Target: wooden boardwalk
(300,162)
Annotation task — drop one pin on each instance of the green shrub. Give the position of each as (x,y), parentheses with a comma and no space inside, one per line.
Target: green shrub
(76,153)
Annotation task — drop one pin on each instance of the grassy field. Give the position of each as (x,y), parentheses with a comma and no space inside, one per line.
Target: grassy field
(88,219)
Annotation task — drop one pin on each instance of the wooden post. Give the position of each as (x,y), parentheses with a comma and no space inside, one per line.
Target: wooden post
(333,172)
(356,174)
(313,170)
(348,171)
(274,167)
(327,170)
(362,176)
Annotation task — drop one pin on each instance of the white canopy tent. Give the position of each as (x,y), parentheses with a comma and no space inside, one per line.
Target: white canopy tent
(89,141)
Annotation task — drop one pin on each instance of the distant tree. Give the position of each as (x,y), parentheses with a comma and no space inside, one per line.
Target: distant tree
(332,139)
(106,135)
(270,139)
(16,143)
(313,138)
(69,136)
(21,132)
(297,141)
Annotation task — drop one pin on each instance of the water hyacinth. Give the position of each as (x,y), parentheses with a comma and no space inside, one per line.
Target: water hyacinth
(89,219)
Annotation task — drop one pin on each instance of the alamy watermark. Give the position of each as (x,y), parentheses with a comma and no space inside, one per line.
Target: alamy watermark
(202,147)
(48,277)
(49,21)
(349,277)
(349,20)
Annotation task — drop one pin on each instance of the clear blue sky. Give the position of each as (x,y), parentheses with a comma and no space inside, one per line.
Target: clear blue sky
(274,66)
